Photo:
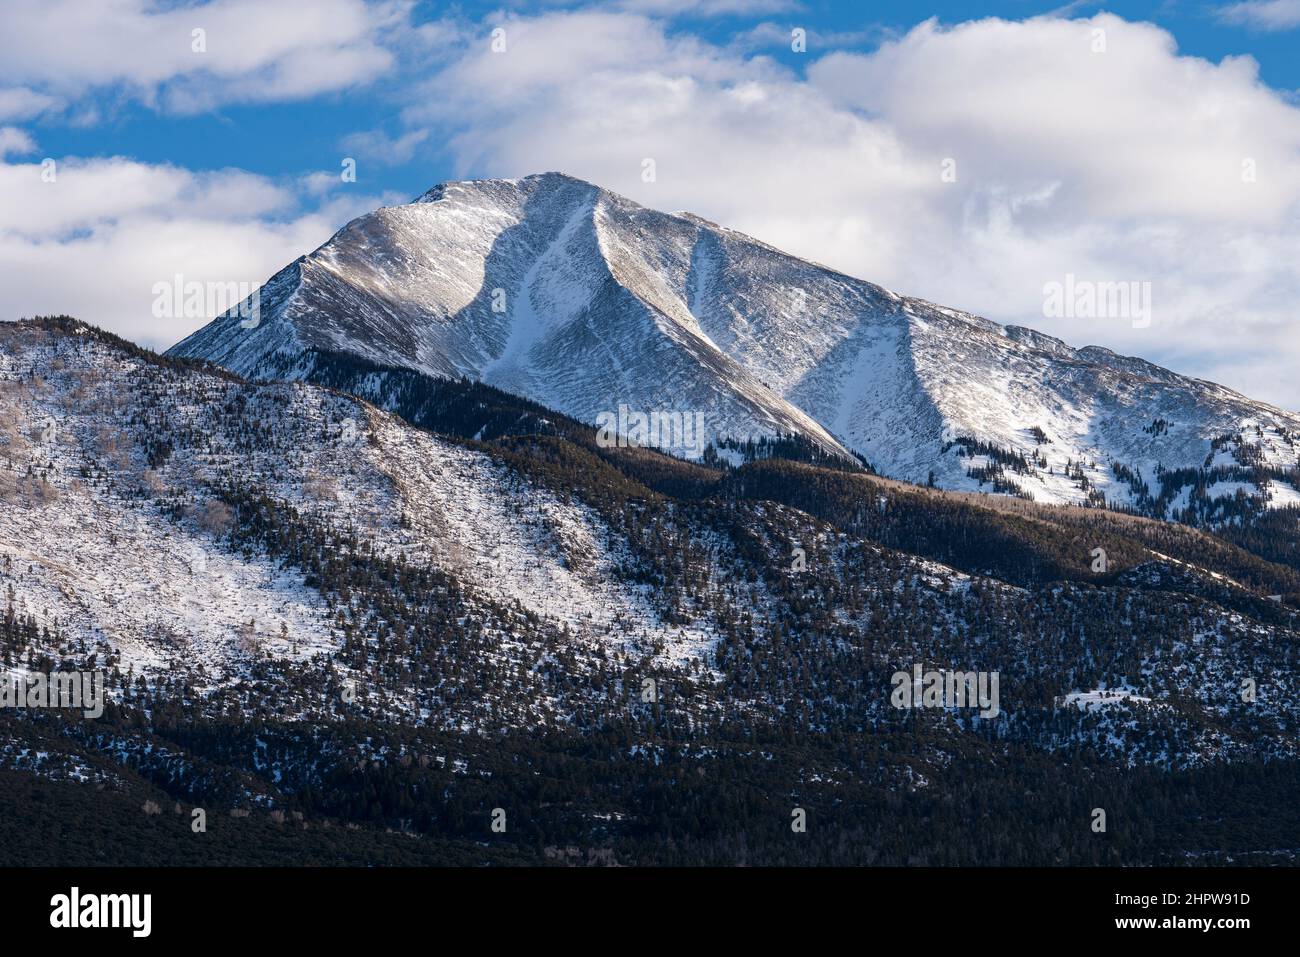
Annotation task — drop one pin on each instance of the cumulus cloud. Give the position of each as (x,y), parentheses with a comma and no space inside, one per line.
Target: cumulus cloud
(968,164)
(1263,14)
(93,239)
(385,150)
(1088,147)
(708,8)
(192,58)
(20,103)
(14,140)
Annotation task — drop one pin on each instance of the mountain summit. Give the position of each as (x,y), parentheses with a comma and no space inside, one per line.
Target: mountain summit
(586,302)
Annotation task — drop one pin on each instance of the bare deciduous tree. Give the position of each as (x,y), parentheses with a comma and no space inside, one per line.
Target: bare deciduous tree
(320,487)
(215,517)
(152,482)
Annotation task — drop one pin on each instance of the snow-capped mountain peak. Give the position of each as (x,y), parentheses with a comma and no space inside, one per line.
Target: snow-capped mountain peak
(586,302)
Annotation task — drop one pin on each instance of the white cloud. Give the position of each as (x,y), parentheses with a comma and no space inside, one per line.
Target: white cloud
(20,103)
(85,194)
(1263,14)
(1131,164)
(708,8)
(769,35)
(382,149)
(251,51)
(14,140)
(93,242)
(1128,164)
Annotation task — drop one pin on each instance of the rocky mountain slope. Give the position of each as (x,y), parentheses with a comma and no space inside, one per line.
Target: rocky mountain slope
(579,299)
(305,604)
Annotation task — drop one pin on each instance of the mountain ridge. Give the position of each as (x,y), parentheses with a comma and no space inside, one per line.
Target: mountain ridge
(580,299)
(302,603)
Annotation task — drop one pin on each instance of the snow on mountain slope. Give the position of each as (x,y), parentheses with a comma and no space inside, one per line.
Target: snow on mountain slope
(518,283)
(120,478)
(271,541)
(110,528)
(582,300)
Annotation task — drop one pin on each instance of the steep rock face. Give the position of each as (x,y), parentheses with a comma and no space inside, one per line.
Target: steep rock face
(581,300)
(533,286)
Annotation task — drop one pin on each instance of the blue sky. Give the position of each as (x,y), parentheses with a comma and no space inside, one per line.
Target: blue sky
(1123,163)
(290,138)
